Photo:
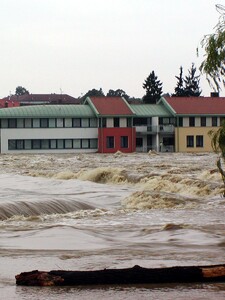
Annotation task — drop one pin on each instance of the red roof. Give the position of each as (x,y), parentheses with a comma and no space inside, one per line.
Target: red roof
(45,98)
(8,103)
(111,106)
(197,105)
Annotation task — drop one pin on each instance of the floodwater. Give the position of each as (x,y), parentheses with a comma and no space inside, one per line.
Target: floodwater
(96,211)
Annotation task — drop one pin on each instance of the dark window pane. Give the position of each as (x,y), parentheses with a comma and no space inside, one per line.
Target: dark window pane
(190,141)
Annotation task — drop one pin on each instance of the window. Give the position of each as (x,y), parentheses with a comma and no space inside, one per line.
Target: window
(191,121)
(51,123)
(77,144)
(4,123)
(190,141)
(27,144)
(60,144)
(214,121)
(76,123)
(110,141)
(28,123)
(85,143)
(199,140)
(129,122)
(180,122)
(140,122)
(93,122)
(203,121)
(60,123)
(68,144)
(104,122)
(44,123)
(124,141)
(139,142)
(36,144)
(36,123)
(222,120)
(116,122)
(52,144)
(20,123)
(12,123)
(68,123)
(44,144)
(19,144)
(93,143)
(11,144)
(84,122)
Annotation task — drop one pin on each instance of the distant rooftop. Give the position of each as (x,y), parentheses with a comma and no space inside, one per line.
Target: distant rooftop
(29,99)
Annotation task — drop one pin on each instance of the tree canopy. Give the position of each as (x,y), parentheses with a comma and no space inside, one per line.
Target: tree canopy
(153,88)
(94,93)
(213,66)
(117,93)
(21,91)
(218,145)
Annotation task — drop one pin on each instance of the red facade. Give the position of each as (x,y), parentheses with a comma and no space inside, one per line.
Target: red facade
(111,140)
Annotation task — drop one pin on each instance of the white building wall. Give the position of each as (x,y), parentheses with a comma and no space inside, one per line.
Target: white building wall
(155,121)
(109,123)
(185,122)
(47,133)
(208,121)
(197,122)
(123,122)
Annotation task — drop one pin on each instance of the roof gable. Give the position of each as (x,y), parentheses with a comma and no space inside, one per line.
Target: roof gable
(196,105)
(110,106)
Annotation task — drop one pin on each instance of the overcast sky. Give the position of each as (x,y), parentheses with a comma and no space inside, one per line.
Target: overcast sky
(49,46)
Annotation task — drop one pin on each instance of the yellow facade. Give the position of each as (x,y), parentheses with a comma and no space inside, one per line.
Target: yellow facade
(181,134)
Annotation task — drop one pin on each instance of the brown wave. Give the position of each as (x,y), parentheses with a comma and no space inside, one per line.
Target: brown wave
(34,208)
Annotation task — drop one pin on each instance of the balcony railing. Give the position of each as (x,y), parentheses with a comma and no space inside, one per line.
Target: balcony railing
(155,129)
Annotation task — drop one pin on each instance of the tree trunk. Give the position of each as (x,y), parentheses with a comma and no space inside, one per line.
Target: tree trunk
(135,275)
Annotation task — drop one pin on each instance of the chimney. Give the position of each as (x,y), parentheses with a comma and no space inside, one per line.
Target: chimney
(214,94)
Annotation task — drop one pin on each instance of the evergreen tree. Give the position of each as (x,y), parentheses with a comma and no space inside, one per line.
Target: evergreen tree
(179,89)
(192,88)
(153,89)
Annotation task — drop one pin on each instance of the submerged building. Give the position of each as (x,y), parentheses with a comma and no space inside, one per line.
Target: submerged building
(110,124)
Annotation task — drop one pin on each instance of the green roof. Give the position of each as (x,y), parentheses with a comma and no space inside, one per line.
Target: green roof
(150,110)
(48,111)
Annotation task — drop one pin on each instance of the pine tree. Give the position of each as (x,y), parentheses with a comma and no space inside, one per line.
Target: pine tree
(192,88)
(153,89)
(179,89)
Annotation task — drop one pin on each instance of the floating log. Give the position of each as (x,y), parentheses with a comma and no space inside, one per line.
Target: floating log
(135,275)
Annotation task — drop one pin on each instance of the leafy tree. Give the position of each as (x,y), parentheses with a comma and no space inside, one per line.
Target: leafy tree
(93,93)
(21,91)
(213,66)
(117,93)
(153,89)
(191,81)
(218,145)
(179,89)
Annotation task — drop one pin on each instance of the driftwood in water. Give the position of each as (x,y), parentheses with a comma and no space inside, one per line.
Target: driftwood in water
(135,275)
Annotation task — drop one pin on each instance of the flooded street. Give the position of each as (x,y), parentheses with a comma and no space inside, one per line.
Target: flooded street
(95,211)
